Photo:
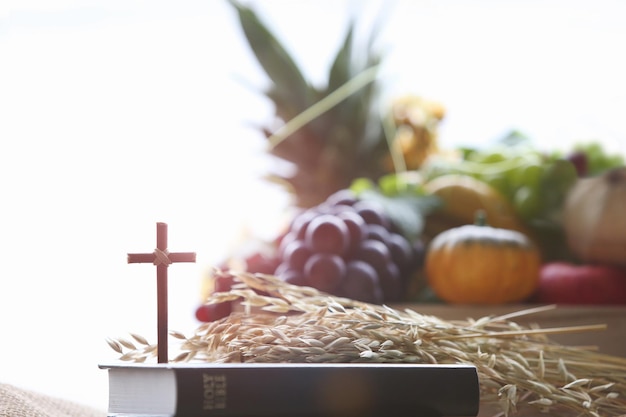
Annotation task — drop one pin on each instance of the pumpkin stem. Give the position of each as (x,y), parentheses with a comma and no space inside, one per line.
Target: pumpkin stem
(480,218)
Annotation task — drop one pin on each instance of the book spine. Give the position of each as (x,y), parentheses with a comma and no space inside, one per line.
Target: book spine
(327,392)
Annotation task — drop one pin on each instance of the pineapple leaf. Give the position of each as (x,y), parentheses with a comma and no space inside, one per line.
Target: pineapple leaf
(283,104)
(356,111)
(330,135)
(340,69)
(352,86)
(289,81)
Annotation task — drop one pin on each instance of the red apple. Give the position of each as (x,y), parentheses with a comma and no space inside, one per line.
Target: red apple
(567,283)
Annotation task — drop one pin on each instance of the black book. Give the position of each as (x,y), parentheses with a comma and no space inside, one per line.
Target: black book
(293,390)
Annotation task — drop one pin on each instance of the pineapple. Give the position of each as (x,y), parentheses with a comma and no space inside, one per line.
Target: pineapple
(347,140)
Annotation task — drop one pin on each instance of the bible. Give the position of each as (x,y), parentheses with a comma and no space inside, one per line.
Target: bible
(293,390)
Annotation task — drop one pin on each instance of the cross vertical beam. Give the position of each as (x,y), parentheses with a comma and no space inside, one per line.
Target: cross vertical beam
(162,259)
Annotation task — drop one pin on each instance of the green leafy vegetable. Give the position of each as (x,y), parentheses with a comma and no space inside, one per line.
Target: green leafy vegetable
(404,201)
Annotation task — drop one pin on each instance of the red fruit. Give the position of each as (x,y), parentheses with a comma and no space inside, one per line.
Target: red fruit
(580,160)
(566,283)
(223,283)
(260,263)
(211,312)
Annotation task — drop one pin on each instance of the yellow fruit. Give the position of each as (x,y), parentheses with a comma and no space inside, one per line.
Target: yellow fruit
(462,196)
(416,121)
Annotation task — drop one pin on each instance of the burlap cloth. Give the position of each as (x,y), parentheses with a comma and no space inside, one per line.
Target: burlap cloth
(17,402)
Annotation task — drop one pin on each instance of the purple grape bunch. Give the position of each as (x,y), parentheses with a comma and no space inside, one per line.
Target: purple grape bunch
(349,247)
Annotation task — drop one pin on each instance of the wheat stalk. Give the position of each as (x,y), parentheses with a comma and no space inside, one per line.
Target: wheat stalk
(519,367)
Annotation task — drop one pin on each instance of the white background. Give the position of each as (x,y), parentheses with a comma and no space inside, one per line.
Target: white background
(117,114)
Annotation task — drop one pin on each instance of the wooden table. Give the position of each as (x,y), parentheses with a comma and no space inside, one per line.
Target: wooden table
(610,341)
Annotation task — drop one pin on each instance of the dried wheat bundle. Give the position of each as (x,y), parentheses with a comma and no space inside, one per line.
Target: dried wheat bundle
(520,368)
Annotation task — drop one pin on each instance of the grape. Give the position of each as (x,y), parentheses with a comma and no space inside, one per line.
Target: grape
(557,179)
(532,175)
(498,182)
(374,252)
(295,255)
(372,213)
(400,249)
(335,209)
(325,271)
(598,159)
(356,228)
(377,232)
(281,269)
(516,178)
(527,202)
(390,283)
(349,247)
(323,208)
(487,158)
(301,222)
(296,278)
(286,240)
(560,175)
(342,197)
(291,276)
(361,283)
(327,234)
(418,252)
(580,161)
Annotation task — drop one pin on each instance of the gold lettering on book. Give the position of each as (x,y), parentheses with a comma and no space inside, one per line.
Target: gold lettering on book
(214,391)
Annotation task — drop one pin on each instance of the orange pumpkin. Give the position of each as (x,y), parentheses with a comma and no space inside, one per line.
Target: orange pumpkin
(480,264)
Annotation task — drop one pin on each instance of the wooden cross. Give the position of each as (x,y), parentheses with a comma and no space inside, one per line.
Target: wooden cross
(162,258)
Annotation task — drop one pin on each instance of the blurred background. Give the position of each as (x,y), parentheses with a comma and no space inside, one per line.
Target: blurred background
(115,115)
